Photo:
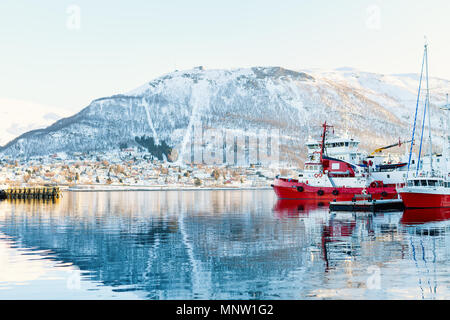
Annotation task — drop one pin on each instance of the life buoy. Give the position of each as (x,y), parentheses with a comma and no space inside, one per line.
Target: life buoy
(320,192)
(318,175)
(373,185)
(335,192)
(300,189)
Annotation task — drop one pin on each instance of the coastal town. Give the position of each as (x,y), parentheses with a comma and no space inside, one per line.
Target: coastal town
(128,169)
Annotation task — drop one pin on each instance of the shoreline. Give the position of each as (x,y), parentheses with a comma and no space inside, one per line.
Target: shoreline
(162,188)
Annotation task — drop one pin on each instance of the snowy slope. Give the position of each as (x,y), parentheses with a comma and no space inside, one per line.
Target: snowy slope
(376,109)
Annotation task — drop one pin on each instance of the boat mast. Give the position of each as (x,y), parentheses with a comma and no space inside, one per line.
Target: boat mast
(429,107)
(322,147)
(324,133)
(415,119)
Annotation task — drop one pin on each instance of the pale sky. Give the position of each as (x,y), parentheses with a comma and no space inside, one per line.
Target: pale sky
(52,58)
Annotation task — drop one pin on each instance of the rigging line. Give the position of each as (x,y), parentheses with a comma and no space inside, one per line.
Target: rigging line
(415,117)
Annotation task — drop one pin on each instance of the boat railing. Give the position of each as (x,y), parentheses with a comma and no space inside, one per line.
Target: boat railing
(428,174)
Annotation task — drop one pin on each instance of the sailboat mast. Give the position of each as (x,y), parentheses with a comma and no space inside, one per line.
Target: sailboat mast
(429,107)
(415,119)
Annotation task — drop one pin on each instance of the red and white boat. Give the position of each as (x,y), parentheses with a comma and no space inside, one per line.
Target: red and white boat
(339,177)
(426,192)
(426,189)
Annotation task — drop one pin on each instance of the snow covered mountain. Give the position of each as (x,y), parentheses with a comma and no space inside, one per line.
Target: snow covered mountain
(376,109)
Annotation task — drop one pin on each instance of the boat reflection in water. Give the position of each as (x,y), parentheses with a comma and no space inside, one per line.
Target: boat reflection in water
(421,216)
(296,207)
(241,244)
(409,250)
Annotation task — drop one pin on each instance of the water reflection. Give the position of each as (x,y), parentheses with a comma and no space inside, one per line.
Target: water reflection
(219,245)
(421,216)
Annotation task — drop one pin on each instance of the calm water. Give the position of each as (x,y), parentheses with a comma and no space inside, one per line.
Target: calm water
(217,245)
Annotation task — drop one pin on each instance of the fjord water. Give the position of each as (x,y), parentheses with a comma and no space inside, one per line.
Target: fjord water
(241,244)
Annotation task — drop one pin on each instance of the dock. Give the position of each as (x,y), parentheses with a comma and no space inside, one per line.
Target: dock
(31,193)
(367,205)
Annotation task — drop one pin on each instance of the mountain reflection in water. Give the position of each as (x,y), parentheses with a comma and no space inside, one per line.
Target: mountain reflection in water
(222,245)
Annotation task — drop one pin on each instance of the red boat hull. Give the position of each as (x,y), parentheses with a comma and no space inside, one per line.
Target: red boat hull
(286,189)
(425,200)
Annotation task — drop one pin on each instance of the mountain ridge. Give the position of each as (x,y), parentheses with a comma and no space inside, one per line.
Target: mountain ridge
(374,108)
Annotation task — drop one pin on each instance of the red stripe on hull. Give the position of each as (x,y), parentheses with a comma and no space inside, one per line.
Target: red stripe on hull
(425,200)
(289,190)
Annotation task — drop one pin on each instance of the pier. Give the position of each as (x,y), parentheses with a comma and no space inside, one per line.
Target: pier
(367,205)
(31,193)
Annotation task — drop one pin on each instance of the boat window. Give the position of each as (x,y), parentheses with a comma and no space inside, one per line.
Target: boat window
(346,144)
(423,183)
(416,183)
(410,183)
(432,183)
